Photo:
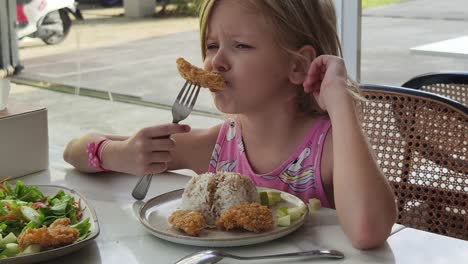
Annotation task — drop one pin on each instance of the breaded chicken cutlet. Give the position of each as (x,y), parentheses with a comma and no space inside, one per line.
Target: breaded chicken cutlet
(199,76)
(191,222)
(249,216)
(59,233)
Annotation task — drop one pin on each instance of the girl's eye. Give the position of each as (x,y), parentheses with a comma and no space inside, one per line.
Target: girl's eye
(243,46)
(211,46)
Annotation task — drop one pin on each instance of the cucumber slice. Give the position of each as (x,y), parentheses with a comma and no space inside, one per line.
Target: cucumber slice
(284,220)
(271,203)
(274,196)
(295,213)
(10,238)
(31,249)
(314,204)
(264,198)
(11,249)
(281,211)
(31,215)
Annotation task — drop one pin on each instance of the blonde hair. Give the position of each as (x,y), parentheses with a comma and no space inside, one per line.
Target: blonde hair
(297,23)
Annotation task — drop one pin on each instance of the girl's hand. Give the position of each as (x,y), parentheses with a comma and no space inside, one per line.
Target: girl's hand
(148,151)
(327,81)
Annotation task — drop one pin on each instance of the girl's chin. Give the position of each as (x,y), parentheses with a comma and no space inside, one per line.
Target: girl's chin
(223,100)
(217,90)
(224,107)
(221,107)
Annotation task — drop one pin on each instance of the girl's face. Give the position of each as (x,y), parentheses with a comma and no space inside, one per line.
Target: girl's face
(241,47)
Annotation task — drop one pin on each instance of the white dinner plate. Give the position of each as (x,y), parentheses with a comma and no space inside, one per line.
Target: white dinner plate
(88,211)
(154,216)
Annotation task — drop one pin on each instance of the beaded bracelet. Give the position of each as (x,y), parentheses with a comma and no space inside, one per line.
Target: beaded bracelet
(94,151)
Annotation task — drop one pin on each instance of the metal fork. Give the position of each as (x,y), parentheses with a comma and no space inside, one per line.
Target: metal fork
(214,256)
(181,109)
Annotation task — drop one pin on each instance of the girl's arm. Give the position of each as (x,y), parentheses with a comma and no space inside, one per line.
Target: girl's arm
(75,151)
(150,150)
(363,198)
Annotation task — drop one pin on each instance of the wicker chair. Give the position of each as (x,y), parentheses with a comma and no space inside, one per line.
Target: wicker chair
(453,85)
(421,144)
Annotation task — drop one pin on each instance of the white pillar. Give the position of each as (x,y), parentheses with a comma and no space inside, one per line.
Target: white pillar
(349,31)
(9,58)
(139,8)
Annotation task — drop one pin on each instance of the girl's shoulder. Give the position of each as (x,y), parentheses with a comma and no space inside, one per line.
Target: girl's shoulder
(322,122)
(318,129)
(228,125)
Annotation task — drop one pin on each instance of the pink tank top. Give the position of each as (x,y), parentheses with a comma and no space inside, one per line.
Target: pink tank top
(298,175)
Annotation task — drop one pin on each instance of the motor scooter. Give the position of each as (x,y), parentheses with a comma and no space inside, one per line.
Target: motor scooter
(47,20)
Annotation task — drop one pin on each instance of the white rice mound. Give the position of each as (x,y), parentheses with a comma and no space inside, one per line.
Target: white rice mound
(213,194)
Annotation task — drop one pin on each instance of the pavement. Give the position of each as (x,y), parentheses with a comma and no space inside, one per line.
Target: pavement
(388,33)
(121,59)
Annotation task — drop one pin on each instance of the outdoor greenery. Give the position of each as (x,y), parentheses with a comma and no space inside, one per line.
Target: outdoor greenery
(374,3)
(180,7)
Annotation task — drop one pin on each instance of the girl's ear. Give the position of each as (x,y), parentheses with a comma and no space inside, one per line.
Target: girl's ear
(300,64)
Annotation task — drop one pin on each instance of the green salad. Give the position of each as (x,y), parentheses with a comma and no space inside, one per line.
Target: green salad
(24,207)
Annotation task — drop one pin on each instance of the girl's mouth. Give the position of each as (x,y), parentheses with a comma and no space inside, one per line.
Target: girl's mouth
(226,86)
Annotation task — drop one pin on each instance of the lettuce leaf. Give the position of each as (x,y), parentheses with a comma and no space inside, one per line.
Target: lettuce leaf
(21,192)
(83,227)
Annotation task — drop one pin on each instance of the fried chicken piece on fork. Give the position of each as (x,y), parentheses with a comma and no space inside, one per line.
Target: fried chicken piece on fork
(199,76)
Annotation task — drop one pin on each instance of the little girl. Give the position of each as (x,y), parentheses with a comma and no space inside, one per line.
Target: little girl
(294,125)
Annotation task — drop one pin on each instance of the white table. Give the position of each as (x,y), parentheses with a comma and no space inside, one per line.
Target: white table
(414,246)
(454,48)
(124,240)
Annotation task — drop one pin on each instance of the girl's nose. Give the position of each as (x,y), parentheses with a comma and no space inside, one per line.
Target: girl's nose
(219,62)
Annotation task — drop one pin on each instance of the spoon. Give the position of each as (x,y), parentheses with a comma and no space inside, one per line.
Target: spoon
(214,256)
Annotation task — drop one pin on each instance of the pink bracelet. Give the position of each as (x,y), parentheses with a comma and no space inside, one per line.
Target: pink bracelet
(94,154)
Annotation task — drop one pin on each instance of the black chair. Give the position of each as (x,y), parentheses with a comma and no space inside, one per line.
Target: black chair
(420,141)
(453,85)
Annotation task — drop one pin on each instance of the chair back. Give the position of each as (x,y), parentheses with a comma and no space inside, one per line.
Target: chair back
(453,85)
(421,144)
